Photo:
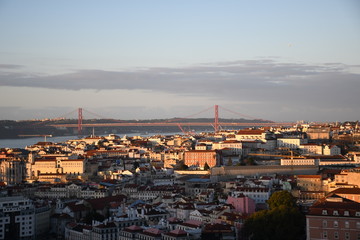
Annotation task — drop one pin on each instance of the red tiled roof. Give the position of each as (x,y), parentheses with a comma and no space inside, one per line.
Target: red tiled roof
(217,227)
(134,228)
(309,176)
(101,203)
(152,232)
(250,132)
(338,204)
(347,191)
(177,233)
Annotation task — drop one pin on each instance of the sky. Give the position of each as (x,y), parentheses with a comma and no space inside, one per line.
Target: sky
(140,59)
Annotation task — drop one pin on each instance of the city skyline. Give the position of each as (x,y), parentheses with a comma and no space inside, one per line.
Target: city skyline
(144,60)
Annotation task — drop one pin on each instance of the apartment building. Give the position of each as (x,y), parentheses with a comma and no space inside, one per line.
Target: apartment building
(17,218)
(333,218)
(200,157)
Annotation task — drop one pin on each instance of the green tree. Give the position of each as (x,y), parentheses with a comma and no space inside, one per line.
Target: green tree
(281,198)
(282,221)
(206,166)
(182,166)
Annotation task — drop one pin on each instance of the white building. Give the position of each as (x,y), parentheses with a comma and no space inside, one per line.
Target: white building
(292,143)
(17,218)
(234,146)
(259,195)
(331,150)
(311,148)
(299,162)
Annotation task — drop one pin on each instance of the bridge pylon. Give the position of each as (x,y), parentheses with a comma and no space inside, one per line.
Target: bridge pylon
(80,120)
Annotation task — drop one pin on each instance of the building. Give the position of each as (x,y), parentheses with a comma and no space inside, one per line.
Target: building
(17,218)
(242,204)
(200,157)
(318,133)
(250,134)
(311,149)
(235,147)
(259,194)
(12,169)
(331,150)
(349,177)
(333,218)
(309,182)
(348,193)
(55,165)
(291,143)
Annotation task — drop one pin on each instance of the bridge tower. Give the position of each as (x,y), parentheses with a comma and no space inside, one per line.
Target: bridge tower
(216,119)
(80,118)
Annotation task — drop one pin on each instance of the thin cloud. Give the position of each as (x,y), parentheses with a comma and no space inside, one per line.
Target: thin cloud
(264,80)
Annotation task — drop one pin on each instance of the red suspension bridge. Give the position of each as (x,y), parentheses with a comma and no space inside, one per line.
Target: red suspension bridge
(216,124)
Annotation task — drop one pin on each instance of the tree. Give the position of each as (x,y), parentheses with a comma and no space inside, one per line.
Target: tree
(276,224)
(206,166)
(183,166)
(282,221)
(281,198)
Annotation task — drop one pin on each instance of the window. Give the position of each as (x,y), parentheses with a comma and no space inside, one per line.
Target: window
(346,213)
(336,235)
(347,225)
(324,234)
(324,223)
(347,235)
(357,225)
(336,213)
(336,223)
(324,212)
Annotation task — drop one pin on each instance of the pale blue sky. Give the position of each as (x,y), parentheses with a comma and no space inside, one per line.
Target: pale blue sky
(155,59)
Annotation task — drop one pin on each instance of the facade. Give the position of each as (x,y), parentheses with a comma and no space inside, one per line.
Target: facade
(235,147)
(259,195)
(309,182)
(55,166)
(200,157)
(331,150)
(292,143)
(349,177)
(17,218)
(12,170)
(242,204)
(348,193)
(333,218)
(298,162)
(318,133)
(311,148)
(250,135)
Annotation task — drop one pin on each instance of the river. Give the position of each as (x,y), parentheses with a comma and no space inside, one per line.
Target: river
(23,142)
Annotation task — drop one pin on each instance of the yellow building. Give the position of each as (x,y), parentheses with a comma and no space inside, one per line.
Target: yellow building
(53,165)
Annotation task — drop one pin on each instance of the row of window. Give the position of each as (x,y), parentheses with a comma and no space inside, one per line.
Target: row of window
(336,224)
(336,213)
(337,235)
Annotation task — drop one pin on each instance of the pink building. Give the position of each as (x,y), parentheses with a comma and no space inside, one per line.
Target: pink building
(242,204)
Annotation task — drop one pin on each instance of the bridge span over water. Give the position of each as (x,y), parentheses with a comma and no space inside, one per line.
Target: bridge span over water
(154,124)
